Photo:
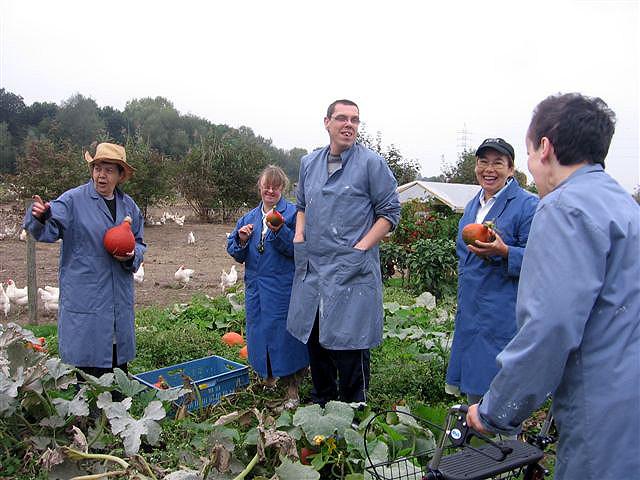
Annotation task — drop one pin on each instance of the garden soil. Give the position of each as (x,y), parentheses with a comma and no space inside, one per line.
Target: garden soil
(167,249)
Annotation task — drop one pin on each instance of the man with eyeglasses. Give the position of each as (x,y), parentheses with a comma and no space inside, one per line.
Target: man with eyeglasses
(347,202)
(488,272)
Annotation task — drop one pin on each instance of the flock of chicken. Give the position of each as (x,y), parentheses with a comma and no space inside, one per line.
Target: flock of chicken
(179,219)
(19,296)
(49,295)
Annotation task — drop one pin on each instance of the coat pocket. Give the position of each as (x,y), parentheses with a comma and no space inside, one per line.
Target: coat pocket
(355,268)
(301,261)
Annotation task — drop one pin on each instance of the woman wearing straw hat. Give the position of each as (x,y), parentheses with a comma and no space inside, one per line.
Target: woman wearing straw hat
(95,318)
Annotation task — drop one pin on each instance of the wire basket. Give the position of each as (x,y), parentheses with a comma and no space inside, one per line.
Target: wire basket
(455,458)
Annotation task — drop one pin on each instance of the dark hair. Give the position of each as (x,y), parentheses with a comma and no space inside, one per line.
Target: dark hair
(332,107)
(579,127)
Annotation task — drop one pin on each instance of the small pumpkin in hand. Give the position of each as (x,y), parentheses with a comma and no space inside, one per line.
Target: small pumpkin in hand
(477,232)
(119,240)
(274,217)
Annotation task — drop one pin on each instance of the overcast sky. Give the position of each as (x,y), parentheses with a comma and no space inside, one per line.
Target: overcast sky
(422,73)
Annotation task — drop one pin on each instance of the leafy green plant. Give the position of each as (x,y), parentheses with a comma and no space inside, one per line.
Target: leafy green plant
(432,264)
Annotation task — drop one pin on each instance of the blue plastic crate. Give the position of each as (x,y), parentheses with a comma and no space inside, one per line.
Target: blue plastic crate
(213,377)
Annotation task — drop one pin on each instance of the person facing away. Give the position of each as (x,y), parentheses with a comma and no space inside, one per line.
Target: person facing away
(488,272)
(346,202)
(96,330)
(578,302)
(267,253)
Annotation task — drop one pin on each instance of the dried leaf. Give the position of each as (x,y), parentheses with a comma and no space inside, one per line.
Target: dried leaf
(50,458)
(79,440)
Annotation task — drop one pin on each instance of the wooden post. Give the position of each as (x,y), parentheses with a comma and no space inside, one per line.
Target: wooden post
(32,282)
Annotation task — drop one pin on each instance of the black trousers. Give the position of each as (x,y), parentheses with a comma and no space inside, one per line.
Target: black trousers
(98,372)
(337,374)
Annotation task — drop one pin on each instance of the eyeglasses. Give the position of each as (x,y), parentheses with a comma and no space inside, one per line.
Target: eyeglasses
(273,188)
(261,246)
(497,164)
(345,119)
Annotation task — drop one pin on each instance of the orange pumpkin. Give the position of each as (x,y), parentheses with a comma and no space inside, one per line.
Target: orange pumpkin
(119,240)
(274,217)
(477,231)
(233,338)
(244,353)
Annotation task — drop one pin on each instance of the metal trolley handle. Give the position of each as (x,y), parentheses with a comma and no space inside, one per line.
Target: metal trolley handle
(459,433)
(487,461)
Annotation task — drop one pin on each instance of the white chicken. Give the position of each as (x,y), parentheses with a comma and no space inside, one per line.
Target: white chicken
(179,219)
(53,290)
(183,275)
(15,294)
(5,303)
(138,275)
(49,296)
(191,239)
(51,307)
(228,279)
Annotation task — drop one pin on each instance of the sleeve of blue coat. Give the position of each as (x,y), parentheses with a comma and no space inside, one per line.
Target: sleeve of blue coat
(552,310)
(283,241)
(55,223)
(300,200)
(237,251)
(516,251)
(137,226)
(382,187)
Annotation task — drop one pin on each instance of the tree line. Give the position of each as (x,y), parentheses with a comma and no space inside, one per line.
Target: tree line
(212,167)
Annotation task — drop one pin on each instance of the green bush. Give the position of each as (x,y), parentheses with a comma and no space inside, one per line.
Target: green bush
(420,220)
(422,247)
(398,373)
(432,266)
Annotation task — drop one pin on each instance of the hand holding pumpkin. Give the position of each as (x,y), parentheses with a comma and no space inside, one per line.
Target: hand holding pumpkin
(275,220)
(119,241)
(495,247)
(125,257)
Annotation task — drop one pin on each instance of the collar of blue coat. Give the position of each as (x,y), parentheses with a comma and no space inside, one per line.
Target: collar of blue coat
(508,191)
(94,193)
(587,168)
(345,155)
(102,206)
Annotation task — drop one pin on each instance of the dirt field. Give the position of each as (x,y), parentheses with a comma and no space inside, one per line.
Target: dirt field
(166,249)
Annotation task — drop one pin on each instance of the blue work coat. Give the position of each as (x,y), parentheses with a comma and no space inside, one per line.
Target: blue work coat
(96,290)
(579,339)
(486,314)
(267,278)
(340,282)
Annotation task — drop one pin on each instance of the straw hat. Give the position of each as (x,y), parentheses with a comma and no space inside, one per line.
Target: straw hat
(112,153)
